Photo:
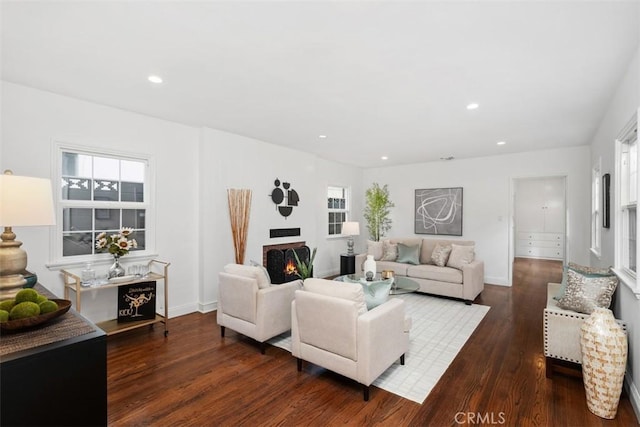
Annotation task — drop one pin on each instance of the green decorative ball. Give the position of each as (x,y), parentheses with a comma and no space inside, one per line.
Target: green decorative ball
(48,307)
(7,304)
(26,295)
(4,316)
(41,299)
(23,310)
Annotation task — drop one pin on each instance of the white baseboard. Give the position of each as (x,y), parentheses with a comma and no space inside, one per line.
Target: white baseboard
(633,393)
(207,307)
(500,281)
(182,310)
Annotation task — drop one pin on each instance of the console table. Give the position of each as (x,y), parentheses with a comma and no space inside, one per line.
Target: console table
(55,374)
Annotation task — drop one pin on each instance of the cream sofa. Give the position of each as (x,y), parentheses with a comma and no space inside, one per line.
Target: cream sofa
(465,283)
(331,327)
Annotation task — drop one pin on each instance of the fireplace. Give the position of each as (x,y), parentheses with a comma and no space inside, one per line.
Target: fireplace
(280,260)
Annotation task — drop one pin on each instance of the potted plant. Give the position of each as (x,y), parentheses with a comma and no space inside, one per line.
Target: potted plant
(377,210)
(304,270)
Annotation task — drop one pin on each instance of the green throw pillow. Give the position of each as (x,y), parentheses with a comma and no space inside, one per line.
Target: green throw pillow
(408,254)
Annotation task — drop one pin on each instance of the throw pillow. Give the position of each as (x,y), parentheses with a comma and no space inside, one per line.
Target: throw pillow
(332,288)
(390,251)
(375,249)
(248,271)
(584,293)
(587,271)
(461,255)
(409,254)
(262,268)
(440,254)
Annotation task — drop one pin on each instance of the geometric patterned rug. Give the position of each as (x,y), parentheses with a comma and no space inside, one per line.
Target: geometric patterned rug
(440,328)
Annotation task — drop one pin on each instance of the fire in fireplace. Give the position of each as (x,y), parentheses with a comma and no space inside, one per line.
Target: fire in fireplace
(281,263)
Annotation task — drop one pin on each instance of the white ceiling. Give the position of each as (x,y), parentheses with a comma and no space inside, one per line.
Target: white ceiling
(379,78)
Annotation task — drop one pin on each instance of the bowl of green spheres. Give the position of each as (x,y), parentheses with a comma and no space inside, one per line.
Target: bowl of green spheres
(29,309)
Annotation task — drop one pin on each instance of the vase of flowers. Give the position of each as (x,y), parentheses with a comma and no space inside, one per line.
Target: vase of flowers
(117,244)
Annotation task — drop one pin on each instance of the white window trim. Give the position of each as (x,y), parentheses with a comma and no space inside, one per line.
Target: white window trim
(57,261)
(596,229)
(627,277)
(347,209)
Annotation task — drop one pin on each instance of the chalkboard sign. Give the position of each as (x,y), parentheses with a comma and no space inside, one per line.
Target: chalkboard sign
(137,302)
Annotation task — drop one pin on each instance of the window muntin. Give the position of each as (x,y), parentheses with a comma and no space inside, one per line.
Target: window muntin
(596,214)
(338,207)
(100,192)
(626,258)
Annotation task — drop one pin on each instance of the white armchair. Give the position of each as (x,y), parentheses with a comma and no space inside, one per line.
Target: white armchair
(332,328)
(251,306)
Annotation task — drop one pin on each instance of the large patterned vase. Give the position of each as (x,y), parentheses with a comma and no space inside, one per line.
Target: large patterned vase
(604,359)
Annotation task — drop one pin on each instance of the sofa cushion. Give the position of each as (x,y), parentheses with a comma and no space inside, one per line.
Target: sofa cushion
(461,255)
(409,254)
(440,255)
(249,271)
(389,251)
(375,249)
(586,292)
(332,288)
(588,271)
(433,272)
(399,269)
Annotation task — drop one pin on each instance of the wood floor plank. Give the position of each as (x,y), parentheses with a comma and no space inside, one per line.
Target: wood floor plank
(196,378)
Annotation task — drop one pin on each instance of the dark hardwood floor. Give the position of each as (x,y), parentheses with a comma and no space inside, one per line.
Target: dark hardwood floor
(195,378)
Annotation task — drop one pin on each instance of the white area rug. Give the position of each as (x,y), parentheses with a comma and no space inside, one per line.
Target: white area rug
(440,329)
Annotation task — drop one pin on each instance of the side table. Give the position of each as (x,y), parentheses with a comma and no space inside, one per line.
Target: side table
(347,264)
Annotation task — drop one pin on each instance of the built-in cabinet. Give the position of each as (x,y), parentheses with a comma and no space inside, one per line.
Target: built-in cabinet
(540,216)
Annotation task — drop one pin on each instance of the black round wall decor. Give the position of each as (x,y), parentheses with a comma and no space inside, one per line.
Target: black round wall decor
(285,198)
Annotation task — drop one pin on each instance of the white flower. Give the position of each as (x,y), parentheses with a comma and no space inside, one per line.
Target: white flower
(101,236)
(134,243)
(101,243)
(123,243)
(126,231)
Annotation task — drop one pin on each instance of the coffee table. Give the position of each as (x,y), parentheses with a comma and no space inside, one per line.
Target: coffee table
(401,284)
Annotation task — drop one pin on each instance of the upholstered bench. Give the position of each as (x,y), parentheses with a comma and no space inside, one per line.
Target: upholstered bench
(562,332)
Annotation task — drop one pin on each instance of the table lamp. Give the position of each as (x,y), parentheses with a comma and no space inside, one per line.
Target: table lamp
(350,229)
(24,201)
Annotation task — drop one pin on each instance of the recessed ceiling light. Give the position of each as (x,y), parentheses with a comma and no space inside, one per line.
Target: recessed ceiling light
(501,143)
(384,158)
(322,136)
(155,79)
(472,106)
(447,158)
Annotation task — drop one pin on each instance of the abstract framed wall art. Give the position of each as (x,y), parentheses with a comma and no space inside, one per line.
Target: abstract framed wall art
(438,211)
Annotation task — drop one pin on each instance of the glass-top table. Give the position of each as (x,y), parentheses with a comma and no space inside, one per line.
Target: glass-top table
(401,284)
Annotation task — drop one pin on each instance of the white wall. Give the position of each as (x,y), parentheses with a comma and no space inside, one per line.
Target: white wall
(487,184)
(625,102)
(33,119)
(232,161)
(194,168)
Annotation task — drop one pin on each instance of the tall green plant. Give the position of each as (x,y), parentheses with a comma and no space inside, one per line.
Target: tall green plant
(377,211)
(304,270)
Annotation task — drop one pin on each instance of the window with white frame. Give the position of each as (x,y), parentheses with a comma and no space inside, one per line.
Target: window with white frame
(627,171)
(338,205)
(596,211)
(100,192)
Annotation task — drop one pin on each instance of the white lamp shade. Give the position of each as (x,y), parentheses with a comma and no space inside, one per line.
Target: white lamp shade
(351,228)
(25,201)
